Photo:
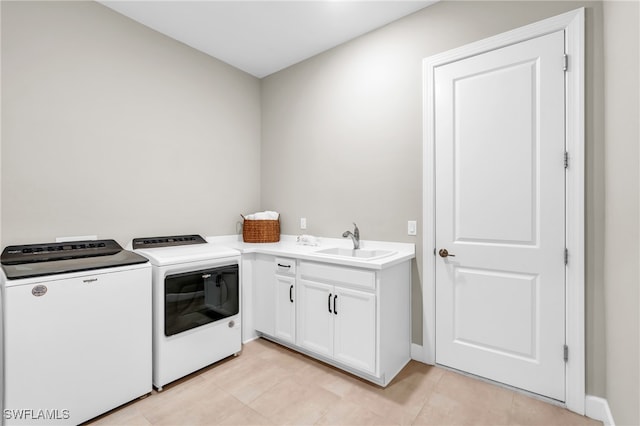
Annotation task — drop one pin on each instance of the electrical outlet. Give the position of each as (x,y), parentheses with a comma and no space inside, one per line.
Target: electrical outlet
(412,227)
(303,223)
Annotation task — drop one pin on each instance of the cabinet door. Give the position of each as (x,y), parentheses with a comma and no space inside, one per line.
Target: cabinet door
(315,317)
(355,328)
(285,327)
(264,295)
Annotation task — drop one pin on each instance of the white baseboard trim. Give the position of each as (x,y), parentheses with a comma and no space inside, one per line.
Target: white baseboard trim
(417,353)
(598,408)
(250,339)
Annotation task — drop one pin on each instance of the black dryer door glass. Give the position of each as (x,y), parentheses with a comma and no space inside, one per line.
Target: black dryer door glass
(193,299)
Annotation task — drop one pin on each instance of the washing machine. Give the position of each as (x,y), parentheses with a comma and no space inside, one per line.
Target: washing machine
(77,330)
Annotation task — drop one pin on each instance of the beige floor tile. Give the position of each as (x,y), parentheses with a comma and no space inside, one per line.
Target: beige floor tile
(248,377)
(256,346)
(270,384)
(126,415)
(474,393)
(418,373)
(440,409)
(327,377)
(399,402)
(527,411)
(200,404)
(243,417)
(347,413)
(284,357)
(292,402)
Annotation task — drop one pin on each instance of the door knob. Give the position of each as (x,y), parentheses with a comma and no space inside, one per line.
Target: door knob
(445,253)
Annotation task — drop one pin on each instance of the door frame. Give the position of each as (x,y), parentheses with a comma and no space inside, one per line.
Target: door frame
(573,24)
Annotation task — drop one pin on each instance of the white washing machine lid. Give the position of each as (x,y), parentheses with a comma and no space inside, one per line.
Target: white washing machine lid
(163,256)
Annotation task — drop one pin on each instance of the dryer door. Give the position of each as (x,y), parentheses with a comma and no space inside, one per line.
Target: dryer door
(195,298)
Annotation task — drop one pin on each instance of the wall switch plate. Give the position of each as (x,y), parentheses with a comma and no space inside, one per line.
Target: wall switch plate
(303,223)
(412,227)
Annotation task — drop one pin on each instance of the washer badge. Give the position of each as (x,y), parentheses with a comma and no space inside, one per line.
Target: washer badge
(39,290)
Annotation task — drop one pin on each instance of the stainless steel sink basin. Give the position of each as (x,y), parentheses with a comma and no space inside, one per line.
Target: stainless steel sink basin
(355,254)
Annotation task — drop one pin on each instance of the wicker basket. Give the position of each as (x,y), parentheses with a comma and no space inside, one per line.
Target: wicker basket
(261,231)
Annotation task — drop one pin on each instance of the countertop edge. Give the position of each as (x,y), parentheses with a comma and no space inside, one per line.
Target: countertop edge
(289,248)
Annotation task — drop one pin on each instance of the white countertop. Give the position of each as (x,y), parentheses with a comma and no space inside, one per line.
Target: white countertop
(289,247)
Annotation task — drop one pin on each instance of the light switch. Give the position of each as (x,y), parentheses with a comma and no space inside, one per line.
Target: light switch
(412,227)
(303,223)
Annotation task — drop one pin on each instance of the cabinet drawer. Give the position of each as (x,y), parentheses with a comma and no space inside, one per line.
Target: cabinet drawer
(285,266)
(354,277)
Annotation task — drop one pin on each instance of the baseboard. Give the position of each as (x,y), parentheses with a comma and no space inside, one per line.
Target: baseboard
(250,339)
(598,408)
(417,353)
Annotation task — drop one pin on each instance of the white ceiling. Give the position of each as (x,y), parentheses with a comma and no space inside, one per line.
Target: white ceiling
(262,37)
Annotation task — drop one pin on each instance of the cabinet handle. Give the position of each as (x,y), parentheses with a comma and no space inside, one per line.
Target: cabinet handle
(329,303)
(284,266)
(335,308)
(291,293)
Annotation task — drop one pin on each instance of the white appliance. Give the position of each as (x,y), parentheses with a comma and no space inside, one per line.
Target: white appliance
(196,304)
(77,331)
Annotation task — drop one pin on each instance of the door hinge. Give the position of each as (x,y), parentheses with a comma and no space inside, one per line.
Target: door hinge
(566,160)
(565,62)
(566,353)
(566,256)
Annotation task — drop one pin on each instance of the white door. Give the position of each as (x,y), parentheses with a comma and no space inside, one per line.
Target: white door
(315,317)
(355,328)
(285,308)
(500,182)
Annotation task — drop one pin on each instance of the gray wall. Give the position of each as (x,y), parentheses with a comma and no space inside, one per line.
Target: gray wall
(342,136)
(622,190)
(110,128)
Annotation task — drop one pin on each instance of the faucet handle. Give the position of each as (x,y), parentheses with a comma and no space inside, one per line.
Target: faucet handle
(356,231)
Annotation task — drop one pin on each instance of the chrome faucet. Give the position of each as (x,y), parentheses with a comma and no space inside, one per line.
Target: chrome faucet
(355,236)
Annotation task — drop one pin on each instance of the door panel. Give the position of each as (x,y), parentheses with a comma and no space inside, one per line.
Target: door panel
(315,317)
(505,95)
(474,324)
(499,136)
(263,295)
(285,308)
(355,328)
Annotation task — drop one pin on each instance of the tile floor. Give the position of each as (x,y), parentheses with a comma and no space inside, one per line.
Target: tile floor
(271,385)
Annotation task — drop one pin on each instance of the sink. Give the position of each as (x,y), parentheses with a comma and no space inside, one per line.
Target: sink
(356,254)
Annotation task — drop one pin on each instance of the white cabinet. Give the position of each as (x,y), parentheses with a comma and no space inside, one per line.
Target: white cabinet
(264,289)
(274,293)
(354,338)
(354,318)
(338,322)
(315,317)
(285,308)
